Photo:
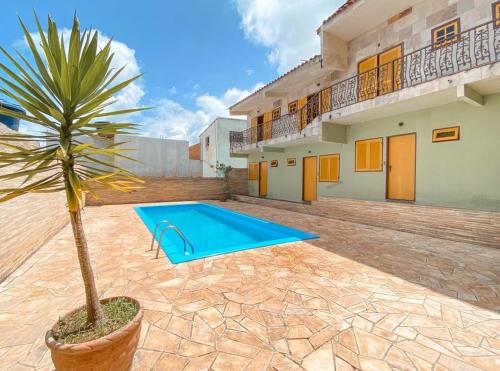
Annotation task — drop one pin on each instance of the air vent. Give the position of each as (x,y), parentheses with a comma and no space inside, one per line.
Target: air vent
(446,134)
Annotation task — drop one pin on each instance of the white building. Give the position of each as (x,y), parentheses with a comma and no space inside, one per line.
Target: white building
(214,141)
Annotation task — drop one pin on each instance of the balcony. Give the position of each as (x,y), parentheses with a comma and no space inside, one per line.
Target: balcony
(473,48)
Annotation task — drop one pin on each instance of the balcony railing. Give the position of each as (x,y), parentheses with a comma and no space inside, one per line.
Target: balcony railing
(476,47)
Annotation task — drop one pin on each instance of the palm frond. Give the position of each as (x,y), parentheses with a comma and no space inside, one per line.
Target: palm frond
(66,89)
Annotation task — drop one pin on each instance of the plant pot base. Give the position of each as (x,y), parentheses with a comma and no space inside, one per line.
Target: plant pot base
(114,351)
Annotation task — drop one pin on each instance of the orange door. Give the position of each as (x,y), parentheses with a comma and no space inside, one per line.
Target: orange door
(268,125)
(401,167)
(390,70)
(368,78)
(301,113)
(309,179)
(263,178)
(253,130)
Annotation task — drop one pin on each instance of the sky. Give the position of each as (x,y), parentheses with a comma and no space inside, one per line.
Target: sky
(198,57)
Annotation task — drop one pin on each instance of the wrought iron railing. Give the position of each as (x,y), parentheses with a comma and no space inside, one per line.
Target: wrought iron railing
(473,48)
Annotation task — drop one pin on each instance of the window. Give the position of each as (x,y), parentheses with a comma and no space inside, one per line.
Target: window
(274,163)
(446,134)
(496,13)
(276,113)
(445,34)
(253,171)
(292,107)
(207,142)
(329,168)
(369,155)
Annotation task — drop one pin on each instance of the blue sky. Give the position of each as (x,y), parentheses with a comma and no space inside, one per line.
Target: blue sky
(198,56)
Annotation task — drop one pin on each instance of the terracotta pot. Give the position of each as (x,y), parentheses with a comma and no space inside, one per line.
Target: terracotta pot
(223,197)
(114,351)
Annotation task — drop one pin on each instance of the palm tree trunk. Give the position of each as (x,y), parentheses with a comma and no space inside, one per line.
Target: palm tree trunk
(94,309)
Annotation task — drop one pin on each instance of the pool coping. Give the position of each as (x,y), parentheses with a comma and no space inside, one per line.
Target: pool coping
(179,257)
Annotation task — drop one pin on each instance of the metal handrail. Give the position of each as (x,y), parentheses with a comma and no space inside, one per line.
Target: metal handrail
(476,47)
(156,228)
(181,235)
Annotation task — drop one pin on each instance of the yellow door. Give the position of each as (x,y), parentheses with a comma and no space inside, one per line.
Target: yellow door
(263,178)
(301,113)
(309,179)
(368,80)
(401,167)
(390,70)
(268,125)
(253,130)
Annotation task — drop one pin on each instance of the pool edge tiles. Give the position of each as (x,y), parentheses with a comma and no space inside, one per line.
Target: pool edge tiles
(287,234)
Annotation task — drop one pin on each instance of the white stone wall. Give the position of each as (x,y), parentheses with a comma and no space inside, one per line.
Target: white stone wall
(415,30)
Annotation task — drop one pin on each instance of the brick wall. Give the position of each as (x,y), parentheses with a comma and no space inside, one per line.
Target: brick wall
(194,152)
(238,181)
(469,226)
(173,189)
(27,222)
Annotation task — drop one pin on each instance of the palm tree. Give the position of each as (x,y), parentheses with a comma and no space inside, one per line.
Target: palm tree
(66,90)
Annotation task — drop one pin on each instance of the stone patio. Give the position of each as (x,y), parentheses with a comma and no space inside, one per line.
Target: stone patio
(358,297)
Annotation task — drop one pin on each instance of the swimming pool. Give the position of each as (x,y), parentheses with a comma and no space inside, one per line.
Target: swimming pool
(213,230)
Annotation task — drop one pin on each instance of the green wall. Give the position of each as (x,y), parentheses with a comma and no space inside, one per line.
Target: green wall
(463,174)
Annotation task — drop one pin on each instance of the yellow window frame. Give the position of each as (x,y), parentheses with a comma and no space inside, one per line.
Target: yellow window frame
(496,13)
(329,168)
(276,114)
(368,155)
(253,171)
(446,33)
(446,134)
(292,107)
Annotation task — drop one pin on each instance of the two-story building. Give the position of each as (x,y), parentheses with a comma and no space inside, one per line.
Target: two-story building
(403,103)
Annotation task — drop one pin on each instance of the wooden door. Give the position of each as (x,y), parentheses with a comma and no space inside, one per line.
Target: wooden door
(368,78)
(253,130)
(267,125)
(263,178)
(390,70)
(401,167)
(309,181)
(260,128)
(301,113)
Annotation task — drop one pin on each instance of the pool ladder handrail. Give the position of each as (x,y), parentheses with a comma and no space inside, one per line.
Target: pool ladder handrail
(156,228)
(177,230)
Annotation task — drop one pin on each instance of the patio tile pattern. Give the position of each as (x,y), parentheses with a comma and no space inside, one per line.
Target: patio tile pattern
(359,297)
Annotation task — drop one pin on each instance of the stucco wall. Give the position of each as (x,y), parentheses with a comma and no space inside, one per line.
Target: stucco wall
(464,173)
(158,157)
(218,150)
(27,222)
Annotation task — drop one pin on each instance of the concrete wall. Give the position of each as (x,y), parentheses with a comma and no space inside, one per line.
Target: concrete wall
(463,174)
(158,157)
(27,222)
(218,149)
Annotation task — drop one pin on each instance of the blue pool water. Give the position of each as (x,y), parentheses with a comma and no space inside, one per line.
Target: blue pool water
(213,230)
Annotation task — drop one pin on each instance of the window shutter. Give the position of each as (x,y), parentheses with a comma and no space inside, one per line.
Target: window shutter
(323,168)
(369,155)
(361,154)
(329,166)
(376,155)
(334,168)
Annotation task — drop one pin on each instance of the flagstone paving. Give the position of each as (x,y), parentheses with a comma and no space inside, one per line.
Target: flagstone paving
(358,297)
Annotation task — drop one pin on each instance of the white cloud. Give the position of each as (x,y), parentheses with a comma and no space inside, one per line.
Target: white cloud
(249,72)
(288,27)
(171,120)
(124,56)
(172,90)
